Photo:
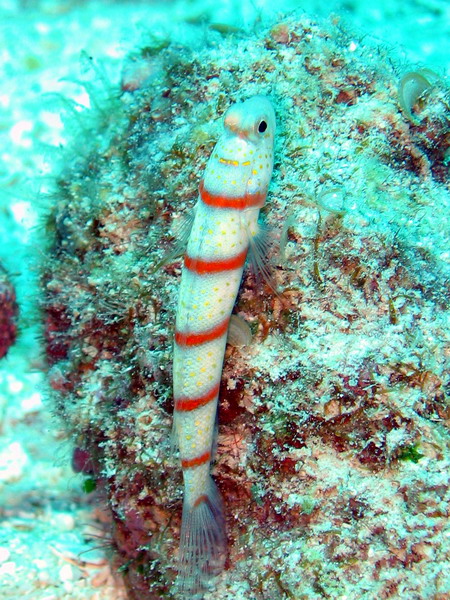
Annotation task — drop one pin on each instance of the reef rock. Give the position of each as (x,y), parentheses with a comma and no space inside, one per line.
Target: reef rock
(332,455)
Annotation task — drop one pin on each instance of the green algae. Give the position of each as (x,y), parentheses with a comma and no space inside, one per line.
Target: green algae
(411,453)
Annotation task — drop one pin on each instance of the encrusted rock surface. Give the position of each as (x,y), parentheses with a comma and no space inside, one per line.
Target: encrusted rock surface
(333,425)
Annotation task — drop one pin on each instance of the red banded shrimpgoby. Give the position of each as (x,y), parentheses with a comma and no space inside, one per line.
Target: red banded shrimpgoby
(225,227)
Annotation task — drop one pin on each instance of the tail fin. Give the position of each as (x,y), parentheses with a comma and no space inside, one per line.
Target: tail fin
(202,543)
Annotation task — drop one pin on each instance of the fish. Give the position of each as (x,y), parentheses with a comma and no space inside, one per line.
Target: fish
(224,230)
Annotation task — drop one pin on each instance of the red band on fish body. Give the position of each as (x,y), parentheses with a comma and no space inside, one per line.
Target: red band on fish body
(237,203)
(190,463)
(205,267)
(188,404)
(209,335)
(201,499)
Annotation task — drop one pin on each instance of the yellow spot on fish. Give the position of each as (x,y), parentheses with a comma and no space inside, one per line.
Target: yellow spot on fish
(189,437)
(228,161)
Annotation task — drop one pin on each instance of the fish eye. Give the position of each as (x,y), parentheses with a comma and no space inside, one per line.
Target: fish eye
(262,126)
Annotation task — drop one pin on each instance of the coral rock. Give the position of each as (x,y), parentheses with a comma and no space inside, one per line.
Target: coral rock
(333,448)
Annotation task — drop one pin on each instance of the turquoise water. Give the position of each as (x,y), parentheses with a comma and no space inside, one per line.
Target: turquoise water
(333,429)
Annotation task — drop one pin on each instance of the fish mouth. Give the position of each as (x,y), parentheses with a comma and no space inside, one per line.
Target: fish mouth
(233,124)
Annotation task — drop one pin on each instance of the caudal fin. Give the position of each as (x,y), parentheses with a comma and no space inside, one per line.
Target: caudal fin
(202,543)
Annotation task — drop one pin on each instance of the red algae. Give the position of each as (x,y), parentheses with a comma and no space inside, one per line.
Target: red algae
(8,313)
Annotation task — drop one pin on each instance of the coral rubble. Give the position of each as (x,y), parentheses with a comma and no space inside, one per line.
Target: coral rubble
(333,424)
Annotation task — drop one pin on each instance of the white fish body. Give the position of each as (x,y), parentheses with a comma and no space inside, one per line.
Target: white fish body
(233,190)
